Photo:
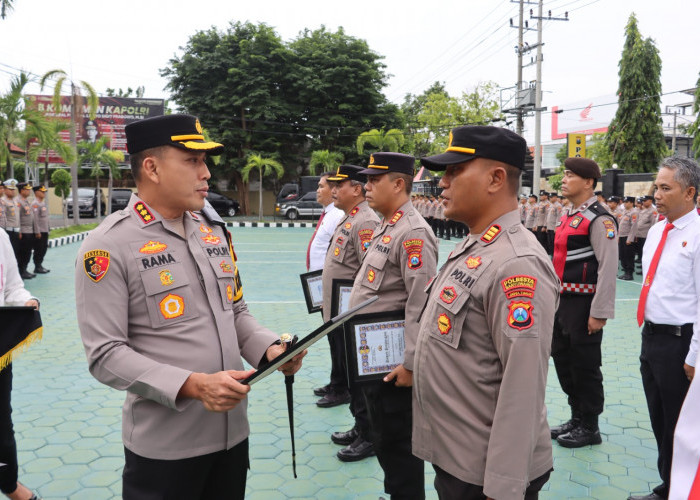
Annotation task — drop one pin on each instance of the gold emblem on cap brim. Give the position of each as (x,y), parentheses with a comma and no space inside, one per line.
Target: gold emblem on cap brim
(371,159)
(198,125)
(450,141)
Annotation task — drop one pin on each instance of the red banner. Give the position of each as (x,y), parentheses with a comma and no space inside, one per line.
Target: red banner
(113,114)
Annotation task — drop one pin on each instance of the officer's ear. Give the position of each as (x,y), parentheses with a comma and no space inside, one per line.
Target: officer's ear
(498,177)
(149,169)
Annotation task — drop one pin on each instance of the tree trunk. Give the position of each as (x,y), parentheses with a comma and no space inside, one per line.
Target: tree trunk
(10,167)
(243,197)
(65,211)
(73,143)
(99,199)
(260,190)
(46,169)
(110,182)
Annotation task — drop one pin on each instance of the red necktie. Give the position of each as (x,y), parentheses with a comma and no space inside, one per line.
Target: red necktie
(650,275)
(308,250)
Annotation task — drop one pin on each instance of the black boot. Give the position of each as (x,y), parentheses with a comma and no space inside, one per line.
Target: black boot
(41,269)
(567,426)
(356,451)
(26,275)
(583,435)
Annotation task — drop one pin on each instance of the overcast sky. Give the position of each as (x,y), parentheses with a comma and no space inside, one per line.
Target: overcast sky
(124,43)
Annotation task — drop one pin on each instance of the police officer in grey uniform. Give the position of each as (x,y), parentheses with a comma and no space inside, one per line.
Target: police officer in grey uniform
(645,219)
(585,260)
(41,228)
(345,251)
(401,259)
(162,317)
(553,216)
(481,360)
(348,247)
(26,230)
(626,247)
(531,214)
(11,213)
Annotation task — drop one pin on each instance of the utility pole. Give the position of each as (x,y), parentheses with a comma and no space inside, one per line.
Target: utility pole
(673,140)
(536,173)
(519,86)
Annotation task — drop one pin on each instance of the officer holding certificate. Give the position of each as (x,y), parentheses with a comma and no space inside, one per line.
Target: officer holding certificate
(400,261)
(481,359)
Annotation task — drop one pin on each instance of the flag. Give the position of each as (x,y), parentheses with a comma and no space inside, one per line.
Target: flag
(21,326)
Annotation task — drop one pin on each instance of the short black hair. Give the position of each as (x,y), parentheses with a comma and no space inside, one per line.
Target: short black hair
(136,159)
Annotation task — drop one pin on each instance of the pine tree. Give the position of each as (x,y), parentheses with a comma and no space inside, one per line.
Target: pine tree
(635,136)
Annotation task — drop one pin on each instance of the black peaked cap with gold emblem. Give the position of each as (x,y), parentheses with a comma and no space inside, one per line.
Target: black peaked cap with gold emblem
(180,131)
(40,187)
(477,141)
(348,173)
(382,163)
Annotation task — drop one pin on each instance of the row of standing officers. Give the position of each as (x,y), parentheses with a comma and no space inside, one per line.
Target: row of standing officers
(26,221)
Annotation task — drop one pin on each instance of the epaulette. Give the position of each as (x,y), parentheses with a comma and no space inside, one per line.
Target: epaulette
(111,220)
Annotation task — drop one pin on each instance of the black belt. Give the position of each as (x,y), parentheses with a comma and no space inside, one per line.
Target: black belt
(657,329)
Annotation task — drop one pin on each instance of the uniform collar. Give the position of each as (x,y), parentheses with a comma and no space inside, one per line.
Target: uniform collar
(686,219)
(590,201)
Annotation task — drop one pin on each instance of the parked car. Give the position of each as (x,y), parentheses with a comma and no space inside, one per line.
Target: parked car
(224,206)
(306,206)
(120,198)
(87,202)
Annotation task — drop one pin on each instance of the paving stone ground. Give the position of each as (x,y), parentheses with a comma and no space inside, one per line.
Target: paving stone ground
(68,425)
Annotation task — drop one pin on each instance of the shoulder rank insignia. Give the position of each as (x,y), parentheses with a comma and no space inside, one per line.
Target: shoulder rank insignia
(520,315)
(491,233)
(354,211)
(396,217)
(414,248)
(153,247)
(96,264)
(144,214)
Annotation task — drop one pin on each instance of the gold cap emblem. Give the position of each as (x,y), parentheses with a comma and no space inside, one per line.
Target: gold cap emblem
(371,159)
(198,126)
(450,142)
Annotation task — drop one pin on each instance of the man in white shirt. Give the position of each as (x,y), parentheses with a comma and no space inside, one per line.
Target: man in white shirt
(668,306)
(12,293)
(318,246)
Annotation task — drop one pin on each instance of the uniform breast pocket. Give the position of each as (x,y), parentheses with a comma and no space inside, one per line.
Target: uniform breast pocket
(450,306)
(169,295)
(225,279)
(374,271)
(338,250)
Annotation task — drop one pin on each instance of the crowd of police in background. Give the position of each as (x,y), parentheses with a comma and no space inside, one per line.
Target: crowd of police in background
(25,218)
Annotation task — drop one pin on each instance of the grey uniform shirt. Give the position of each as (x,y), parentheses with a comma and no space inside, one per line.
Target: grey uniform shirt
(11,213)
(531,216)
(627,218)
(41,217)
(553,216)
(348,246)
(400,261)
(480,368)
(3,221)
(542,211)
(26,216)
(640,227)
(153,308)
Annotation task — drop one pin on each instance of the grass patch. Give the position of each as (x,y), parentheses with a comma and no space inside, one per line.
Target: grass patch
(67,231)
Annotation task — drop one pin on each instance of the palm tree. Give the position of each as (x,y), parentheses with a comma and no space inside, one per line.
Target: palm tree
(325,159)
(5,8)
(13,110)
(265,167)
(42,136)
(76,105)
(391,140)
(96,155)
